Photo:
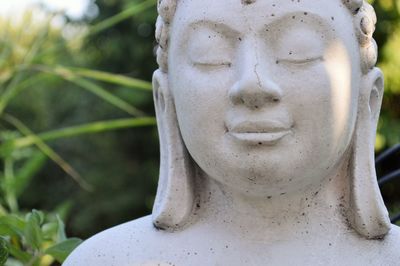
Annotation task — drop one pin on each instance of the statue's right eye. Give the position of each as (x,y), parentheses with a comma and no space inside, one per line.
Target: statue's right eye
(210,49)
(213,64)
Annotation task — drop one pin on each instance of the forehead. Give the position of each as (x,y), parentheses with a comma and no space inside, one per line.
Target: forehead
(244,16)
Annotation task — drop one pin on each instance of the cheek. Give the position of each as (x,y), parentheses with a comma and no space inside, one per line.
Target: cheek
(201,105)
(323,105)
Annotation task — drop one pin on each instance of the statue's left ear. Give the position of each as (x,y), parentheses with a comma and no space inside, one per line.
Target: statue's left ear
(372,92)
(368,213)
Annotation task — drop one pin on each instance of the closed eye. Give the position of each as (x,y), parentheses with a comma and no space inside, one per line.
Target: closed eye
(301,61)
(213,64)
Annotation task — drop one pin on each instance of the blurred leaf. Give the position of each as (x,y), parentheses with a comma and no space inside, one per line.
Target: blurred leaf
(12,91)
(19,254)
(113,78)
(106,96)
(27,171)
(48,151)
(60,230)
(93,88)
(11,225)
(8,188)
(125,14)
(63,209)
(13,262)
(49,230)
(90,128)
(61,250)
(3,251)
(33,234)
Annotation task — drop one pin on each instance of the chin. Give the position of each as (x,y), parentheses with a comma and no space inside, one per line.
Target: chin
(263,172)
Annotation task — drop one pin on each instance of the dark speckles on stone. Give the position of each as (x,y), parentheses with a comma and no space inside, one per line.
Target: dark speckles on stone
(247,2)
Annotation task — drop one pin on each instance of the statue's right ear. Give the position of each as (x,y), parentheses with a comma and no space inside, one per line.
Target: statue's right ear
(175,196)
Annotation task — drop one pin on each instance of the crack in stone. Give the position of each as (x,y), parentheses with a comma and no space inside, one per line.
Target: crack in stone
(255,72)
(256,65)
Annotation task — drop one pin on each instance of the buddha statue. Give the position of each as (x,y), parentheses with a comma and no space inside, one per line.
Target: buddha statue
(267,112)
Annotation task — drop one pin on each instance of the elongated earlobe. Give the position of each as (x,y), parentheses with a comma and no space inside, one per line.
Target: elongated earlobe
(368,213)
(174,201)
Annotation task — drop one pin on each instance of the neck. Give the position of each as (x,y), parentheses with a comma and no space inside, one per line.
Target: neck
(314,210)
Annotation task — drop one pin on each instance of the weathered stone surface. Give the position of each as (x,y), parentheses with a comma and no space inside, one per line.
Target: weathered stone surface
(267,112)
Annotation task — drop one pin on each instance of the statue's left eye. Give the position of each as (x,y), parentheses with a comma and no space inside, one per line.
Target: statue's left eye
(301,61)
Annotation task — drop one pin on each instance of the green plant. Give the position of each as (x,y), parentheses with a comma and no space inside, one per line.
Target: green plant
(36,239)
(33,58)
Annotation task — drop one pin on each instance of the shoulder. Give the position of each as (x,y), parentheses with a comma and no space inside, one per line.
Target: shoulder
(130,243)
(392,239)
(387,252)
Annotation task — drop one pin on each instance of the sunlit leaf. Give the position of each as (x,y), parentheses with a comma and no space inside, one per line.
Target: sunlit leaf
(113,78)
(61,250)
(89,128)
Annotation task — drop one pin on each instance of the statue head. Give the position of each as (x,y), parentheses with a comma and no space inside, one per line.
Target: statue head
(267,98)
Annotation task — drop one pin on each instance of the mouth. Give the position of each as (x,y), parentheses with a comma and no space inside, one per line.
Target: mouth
(260,132)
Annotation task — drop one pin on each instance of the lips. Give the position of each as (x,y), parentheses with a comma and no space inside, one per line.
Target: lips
(259,132)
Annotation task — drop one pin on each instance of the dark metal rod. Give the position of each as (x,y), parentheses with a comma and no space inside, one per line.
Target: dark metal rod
(395,218)
(389,177)
(387,153)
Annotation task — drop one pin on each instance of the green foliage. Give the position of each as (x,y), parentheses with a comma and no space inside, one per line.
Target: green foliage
(36,239)
(3,251)
(36,64)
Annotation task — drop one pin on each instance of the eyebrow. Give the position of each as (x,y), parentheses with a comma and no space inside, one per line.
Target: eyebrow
(216,26)
(228,30)
(302,16)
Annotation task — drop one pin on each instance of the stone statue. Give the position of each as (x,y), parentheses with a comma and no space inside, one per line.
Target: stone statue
(267,112)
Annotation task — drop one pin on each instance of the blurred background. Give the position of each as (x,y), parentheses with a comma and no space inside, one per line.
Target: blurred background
(78,135)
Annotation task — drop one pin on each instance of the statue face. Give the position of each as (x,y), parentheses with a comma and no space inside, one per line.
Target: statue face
(266,93)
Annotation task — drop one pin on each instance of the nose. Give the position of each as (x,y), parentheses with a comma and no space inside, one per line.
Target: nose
(254,88)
